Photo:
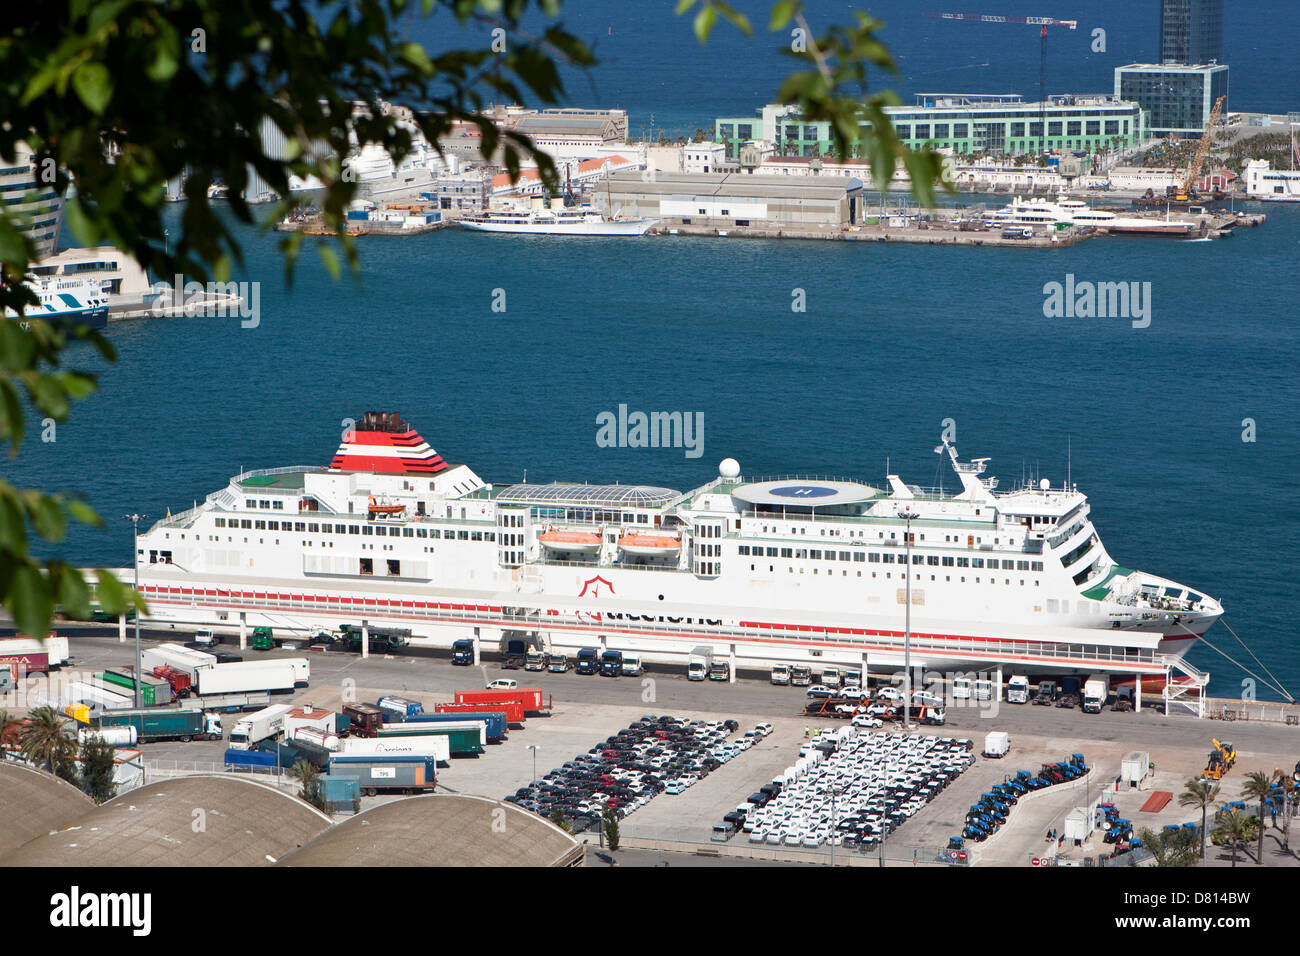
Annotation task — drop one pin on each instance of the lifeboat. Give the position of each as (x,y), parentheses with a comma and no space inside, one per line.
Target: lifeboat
(571,542)
(383,508)
(649,545)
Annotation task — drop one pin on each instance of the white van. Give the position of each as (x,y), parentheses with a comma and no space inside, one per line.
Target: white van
(632,665)
(961,688)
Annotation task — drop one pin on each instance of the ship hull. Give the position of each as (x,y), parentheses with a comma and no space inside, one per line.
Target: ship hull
(631,227)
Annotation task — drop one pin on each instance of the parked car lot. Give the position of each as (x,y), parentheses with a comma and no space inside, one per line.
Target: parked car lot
(656,754)
(850,789)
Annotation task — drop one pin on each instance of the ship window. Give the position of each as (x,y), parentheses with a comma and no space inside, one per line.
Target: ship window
(1022,565)
(947,562)
(873,557)
(845,556)
(250,503)
(462,535)
(771,552)
(476,536)
(435,532)
(394,568)
(408,532)
(932,559)
(259,525)
(1008,565)
(221,522)
(859,556)
(354,529)
(1036,565)
(977,562)
(743,549)
(366,529)
(278,504)
(367,565)
(421,532)
(815,554)
(381,530)
(245,523)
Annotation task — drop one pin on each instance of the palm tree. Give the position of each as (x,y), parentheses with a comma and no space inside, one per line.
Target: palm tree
(1232,830)
(1199,793)
(1287,783)
(307,775)
(47,739)
(1259,786)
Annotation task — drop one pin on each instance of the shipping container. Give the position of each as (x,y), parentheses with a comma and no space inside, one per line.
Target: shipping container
(365,720)
(494,722)
(162,690)
(42,655)
(250,675)
(465,738)
(513,710)
(341,794)
(96,694)
(436,747)
(180,681)
(148,691)
(533,699)
(375,774)
(256,760)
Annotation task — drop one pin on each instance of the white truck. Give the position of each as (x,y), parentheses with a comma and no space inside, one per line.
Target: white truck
(258,726)
(1095,692)
(245,676)
(1018,689)
(632,666)
(830,677)
(206,637)
(699,663)
(179,658)
(436,746)
(781,674)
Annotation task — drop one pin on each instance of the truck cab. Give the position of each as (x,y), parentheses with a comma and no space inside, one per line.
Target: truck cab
(781,675)
(1095,691)
(588,660)
(719,670)
(800,675)
(632,666)
(831,677)
(961,688)
(1018,689)
(557,663)
(611,664)
(534,661)
(462,652)
(263,639)
(205,638)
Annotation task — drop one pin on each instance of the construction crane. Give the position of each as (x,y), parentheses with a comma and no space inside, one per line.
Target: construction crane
(1198,158)
(1044,23)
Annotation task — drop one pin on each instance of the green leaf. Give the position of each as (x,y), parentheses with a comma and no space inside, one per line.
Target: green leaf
(94,86)
(30,600)
(331,260)
(83,513)
(705,20)
(782,13)
(110,594)
(47,518)
(74,592)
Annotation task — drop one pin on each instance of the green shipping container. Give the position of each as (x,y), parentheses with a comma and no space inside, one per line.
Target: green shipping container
(461,741)
(147,695)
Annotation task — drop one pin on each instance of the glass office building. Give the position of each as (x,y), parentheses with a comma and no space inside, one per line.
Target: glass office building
(1191,31)
(1176,99)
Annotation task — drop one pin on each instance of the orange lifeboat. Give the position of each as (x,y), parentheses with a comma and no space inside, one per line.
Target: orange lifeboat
(571,542)
(649,545)
(383,508)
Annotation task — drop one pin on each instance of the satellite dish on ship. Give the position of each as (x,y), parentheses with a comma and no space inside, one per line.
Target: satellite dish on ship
(1044,484)
(729,468)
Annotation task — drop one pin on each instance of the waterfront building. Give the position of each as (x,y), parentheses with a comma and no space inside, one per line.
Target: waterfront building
(27,195)
(725,200)
(1175,98)
(1000,124)
(1264,182)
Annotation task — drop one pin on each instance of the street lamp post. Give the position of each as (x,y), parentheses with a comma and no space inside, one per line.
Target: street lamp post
(908,515)
(534,748)
(135,520)
(835,822)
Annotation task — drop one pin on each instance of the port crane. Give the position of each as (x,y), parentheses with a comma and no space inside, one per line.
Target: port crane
(1202,150)
(1044,23)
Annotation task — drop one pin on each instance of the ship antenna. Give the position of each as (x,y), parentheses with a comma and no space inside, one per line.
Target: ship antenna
(525,476)
(1069,480)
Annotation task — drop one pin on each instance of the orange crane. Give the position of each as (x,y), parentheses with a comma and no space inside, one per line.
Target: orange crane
(1044,23)
(1202,150)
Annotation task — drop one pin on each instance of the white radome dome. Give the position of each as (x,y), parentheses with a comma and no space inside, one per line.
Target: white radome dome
(729,468)
(1044,484)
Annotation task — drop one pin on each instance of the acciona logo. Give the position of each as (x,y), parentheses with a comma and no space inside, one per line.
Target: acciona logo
(75,910)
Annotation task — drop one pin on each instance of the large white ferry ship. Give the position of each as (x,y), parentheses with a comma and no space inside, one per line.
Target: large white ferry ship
(789,569)
(555,222)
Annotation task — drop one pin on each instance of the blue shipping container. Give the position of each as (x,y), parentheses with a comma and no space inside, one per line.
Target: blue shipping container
(255,759)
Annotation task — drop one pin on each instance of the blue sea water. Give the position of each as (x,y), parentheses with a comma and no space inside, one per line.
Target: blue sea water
(895,339)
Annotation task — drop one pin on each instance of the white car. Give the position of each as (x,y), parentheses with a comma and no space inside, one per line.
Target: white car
(889,693)
(819,690)
(869,723)
(763,729)
(675,787)
(503,683)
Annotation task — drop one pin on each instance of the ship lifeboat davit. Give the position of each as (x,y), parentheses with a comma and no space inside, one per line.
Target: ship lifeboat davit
(571,542)
(649,545)
(384,508)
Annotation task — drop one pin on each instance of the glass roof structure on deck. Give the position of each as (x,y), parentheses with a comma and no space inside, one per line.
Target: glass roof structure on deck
(622,496)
